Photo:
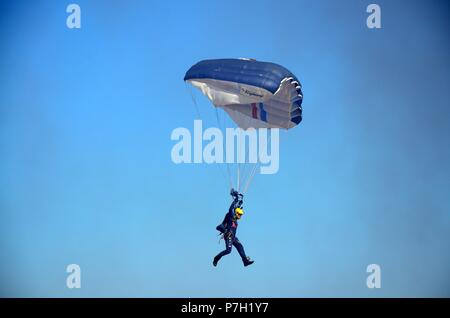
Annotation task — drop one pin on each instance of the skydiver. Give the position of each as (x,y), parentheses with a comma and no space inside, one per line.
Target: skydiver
(229,226)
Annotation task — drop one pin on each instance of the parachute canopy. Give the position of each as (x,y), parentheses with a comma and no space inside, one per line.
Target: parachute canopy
(254,94)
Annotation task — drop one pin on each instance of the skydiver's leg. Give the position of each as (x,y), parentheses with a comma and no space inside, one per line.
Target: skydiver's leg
(240,249)
(245,259)
(228,247)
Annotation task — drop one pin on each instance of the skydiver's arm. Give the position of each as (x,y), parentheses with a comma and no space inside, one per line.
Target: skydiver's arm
(228,221)
(233,206)
(238,200)
(236,195)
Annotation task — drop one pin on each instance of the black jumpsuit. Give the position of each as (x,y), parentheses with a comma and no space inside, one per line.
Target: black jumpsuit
(231,240)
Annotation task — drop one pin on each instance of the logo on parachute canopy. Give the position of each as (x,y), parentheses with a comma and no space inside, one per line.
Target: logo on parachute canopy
(246,91)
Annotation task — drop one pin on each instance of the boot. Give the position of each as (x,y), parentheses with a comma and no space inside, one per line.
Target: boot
(248,261)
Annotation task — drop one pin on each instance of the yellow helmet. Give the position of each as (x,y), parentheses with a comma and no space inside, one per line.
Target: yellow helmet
(239,212)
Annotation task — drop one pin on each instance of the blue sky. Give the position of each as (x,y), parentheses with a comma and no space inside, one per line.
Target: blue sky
(86,175)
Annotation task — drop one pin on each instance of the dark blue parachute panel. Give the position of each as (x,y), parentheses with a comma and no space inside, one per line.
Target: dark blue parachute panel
(265,75)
